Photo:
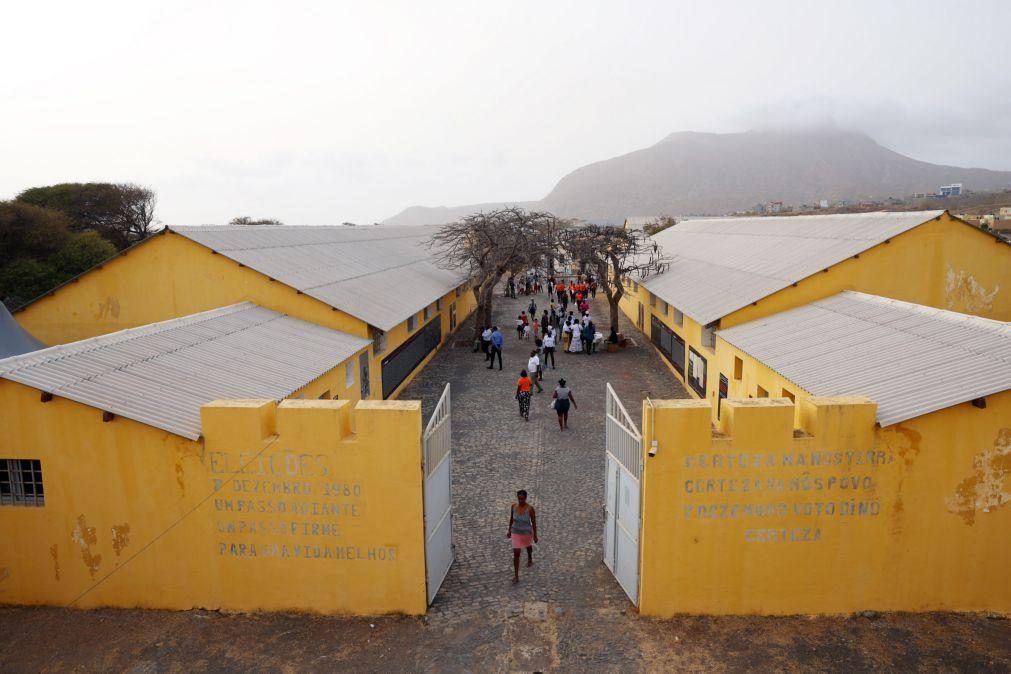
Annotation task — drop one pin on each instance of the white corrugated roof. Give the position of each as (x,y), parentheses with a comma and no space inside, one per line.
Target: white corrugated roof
(910,359)
(720,265)
(380,275)
(160,374)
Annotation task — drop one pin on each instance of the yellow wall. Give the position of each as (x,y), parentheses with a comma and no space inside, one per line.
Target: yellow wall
(169,276)
(731,519)
(942,263)
(753,374)
(139,517)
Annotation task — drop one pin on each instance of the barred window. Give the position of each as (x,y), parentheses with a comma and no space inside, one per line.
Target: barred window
(21,482)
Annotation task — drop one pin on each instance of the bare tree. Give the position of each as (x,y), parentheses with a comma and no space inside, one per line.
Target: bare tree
(246,220)
(614,254)
(662,223)
(489,245)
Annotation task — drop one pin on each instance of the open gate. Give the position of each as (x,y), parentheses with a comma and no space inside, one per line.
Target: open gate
(438,505)
(623,444)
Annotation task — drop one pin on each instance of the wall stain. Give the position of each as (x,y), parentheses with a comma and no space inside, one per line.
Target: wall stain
(54,552)
(987,488)
(120,537)
(180,474)
(5,573)
(962,292)
(904,442)
(85,536)
(108,307)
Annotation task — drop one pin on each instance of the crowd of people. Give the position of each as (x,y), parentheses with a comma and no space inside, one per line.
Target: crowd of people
(557,327)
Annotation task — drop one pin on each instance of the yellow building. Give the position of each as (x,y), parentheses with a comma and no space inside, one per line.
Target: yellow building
(861,460)
(380,283)
(131,476)
(728,271)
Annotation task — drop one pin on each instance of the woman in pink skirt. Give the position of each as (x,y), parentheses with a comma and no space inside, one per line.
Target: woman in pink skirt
(522,531)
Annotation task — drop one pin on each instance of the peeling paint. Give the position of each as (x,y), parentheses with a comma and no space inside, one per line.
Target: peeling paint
(54,552)
(85,536)
(987,488)
(962,292)
(120,537)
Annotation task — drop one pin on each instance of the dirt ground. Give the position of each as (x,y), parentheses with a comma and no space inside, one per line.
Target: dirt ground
(52,639)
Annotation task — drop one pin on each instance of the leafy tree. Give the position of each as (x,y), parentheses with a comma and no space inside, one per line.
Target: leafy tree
(38,251)
(245,220)
(662,223)
(489,245)
(82,252)
(30,231)
(121,213)
(614,254)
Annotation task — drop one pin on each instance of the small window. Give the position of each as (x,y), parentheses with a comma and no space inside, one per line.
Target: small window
(438,304)
(21,482)
(679,318)
(378,341)
(652,300)
(787,394)
(411,323)
(325,395)
(663,308)
(426,314)
(762,393)
(349,374)
(738,368)
(635,286)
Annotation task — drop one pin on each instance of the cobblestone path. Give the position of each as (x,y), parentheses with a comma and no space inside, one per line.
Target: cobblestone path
(526,626)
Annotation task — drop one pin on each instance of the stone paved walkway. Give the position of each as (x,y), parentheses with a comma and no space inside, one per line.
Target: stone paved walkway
(567,614)
(495,453)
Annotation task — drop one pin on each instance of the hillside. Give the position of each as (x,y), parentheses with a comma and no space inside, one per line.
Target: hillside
(706,173)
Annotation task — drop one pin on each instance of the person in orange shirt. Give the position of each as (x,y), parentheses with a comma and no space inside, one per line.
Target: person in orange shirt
(523,392)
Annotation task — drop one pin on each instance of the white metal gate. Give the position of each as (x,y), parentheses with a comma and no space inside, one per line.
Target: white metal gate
(621,506)
(438,506)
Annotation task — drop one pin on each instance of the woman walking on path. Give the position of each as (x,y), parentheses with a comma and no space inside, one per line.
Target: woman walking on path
(523,392)
(563,398)
(522,531)
(576,343)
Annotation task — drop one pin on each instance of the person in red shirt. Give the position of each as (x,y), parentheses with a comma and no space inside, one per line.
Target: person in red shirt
(523,392)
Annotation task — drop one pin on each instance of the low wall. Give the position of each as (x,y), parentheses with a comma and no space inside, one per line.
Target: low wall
(755,517)
(281,507)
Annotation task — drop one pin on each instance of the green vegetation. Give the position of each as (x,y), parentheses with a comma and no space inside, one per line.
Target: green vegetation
(49,235)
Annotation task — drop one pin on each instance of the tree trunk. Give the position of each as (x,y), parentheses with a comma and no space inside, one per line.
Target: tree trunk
(613,303)
(482,314)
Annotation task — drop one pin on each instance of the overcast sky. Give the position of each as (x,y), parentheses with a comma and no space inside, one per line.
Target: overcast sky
(321,112)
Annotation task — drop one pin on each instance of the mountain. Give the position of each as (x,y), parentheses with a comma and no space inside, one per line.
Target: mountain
(690,173)
(436,215)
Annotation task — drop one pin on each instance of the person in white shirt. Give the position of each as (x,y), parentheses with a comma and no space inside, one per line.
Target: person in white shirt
(486,343)
(534,369)
(549,349)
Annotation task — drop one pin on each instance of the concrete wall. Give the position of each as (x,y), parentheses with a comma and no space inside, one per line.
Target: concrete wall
(281,507)
(942,263)
(169,276)
(835,517)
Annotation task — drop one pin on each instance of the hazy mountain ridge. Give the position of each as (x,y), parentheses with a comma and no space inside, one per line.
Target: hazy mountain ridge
(707,173)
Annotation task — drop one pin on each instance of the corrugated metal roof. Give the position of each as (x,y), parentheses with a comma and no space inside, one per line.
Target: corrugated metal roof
(910,359)
(380,275)
(160,374)
(720,265)
(15,340)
